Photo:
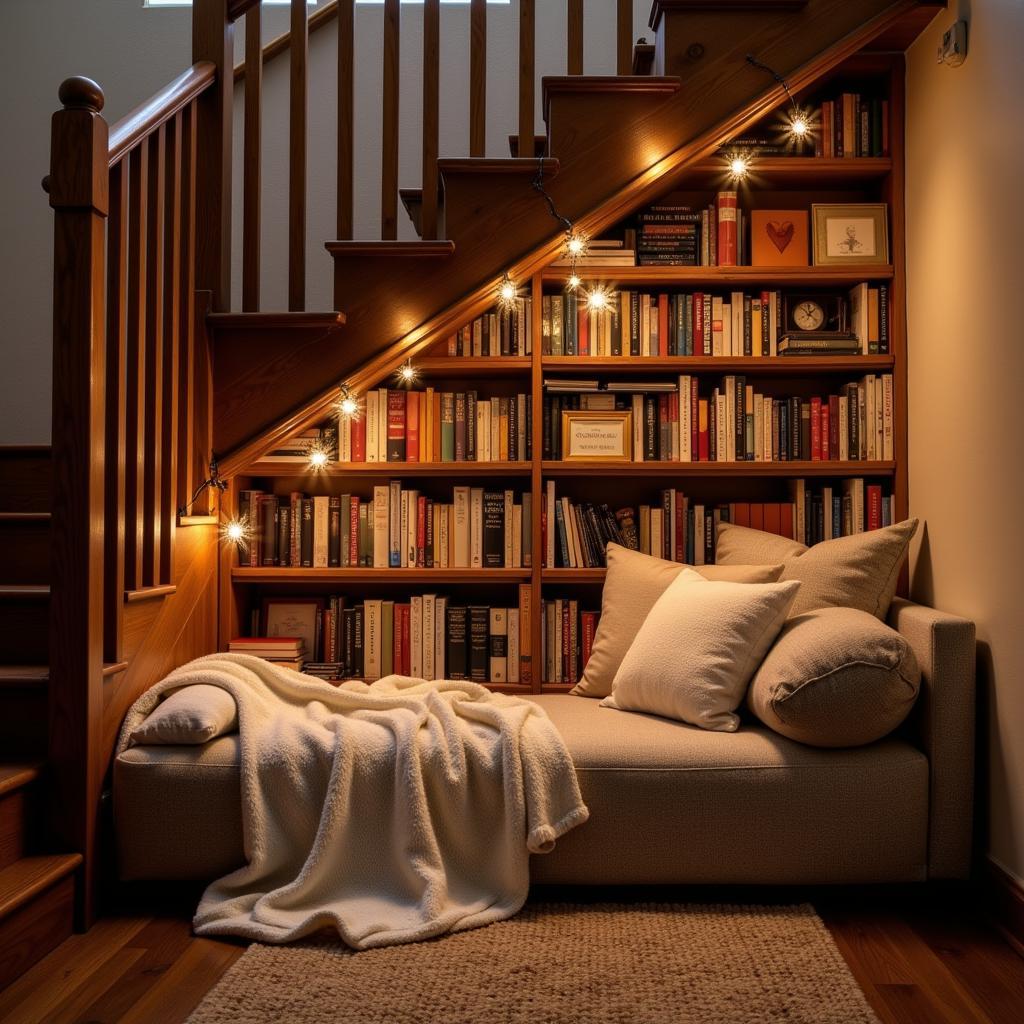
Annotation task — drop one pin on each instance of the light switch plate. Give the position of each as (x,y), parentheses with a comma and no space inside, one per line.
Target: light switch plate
(953,48)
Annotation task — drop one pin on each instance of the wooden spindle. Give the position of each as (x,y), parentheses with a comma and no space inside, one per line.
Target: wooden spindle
(117,333)
(346,128)
(135,362)
(152,412)
(477,77)
(299,51)
(574,58)
(167,508)
(187,476)
(526,72)
(389,137)
(252,161)
(624,37)
(431,116)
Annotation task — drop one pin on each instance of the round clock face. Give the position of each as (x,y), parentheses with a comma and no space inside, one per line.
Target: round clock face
(808,316)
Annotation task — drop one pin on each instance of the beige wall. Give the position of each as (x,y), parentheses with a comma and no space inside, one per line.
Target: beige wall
(965,238)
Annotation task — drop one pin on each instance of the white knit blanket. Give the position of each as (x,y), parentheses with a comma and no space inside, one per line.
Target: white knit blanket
(394,811)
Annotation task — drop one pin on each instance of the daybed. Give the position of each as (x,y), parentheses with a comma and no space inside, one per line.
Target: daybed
(669,803)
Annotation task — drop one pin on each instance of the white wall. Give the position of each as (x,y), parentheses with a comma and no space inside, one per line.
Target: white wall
(133,51)
(965,221)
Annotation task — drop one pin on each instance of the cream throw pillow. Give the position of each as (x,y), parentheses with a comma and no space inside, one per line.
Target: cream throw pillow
(191,715)
(859,571)
(633,584)
(836,677)
(697,649)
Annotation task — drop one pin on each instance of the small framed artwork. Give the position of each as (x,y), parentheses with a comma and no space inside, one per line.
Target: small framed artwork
(778,238)
(850,233)
(605,436)
(288,616)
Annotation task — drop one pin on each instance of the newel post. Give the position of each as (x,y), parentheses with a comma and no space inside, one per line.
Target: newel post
(78,185)
(213,39)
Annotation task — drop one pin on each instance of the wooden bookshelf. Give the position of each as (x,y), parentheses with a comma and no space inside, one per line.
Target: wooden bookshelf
(774,183)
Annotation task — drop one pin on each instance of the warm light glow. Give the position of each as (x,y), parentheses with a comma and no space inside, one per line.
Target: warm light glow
(507,293)
(573,282)
(318,457)
(236,532)
(799,126)
(407,374)
(348,407)
(739,166)
(597,299)
(576,244)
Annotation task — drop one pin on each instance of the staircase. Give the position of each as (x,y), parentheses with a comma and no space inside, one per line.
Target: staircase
(36,889)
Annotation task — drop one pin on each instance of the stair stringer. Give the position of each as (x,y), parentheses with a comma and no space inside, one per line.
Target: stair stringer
(661,173)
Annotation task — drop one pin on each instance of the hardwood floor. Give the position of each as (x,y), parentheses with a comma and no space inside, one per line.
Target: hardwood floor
(922,956)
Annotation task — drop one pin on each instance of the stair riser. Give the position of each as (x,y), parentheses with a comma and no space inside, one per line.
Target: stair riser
(14,819)
(26,551)
(24,633)
(25,480)
(23,722)
(470,198)
(36,928)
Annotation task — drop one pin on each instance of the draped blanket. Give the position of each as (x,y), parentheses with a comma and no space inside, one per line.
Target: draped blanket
(393,811)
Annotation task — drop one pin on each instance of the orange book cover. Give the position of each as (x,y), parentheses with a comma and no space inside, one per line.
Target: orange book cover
(436,426)
(773,518)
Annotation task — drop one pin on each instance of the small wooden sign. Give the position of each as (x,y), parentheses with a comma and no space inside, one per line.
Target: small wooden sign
(597,436)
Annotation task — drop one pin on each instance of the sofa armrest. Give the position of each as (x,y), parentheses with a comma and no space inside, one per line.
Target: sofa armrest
(944,727)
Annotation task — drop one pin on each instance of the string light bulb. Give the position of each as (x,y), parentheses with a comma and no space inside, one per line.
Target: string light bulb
(236,531)
(739,166)
(348,407)
(407,374)
(507,293)
(573,282)
(799,125)
(597,298)
(576,244)
(318,456)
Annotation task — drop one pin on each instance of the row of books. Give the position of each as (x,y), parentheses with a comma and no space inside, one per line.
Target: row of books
(736,423)
(567,638)
(397,528)
(496,333)
(427,636)
(677,235)
(700,324)
(681,530)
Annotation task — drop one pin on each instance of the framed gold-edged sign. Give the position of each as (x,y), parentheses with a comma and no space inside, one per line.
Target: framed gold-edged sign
(850,233)
(604,436)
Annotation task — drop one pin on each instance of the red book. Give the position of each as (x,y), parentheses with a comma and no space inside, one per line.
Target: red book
(757,515)
(359,434)
(786,512)
(396,426)
(698,324)
(816,430)
(353,532)
(664,416)
(583,330)
(421,532)
(663,325)
(589,629)
(694,418)
(826,435)
(741,513)
(873,501)
(412,426)
(772,518)
(725,203)
(833,425)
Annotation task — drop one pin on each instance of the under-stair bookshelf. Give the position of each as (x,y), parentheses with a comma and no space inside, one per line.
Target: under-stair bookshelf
(774,182)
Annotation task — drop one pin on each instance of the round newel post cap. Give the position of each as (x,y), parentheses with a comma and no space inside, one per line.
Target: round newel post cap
(78,93)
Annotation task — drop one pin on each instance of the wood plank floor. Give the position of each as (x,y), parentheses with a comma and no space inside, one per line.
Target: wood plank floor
(922,956)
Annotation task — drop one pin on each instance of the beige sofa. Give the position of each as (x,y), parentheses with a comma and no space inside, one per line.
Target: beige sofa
(669,803)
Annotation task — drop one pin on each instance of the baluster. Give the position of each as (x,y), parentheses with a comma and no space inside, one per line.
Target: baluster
(187,467)
(389,138)
(297,159)
(431,108)
(252,161)
(135,362)
(346,131)
(152,416)
(574,58)
(477,77)
(167,508)
(624,38)
(117,332)
(526,72)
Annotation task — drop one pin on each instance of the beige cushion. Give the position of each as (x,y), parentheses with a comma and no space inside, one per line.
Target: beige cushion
(836,677)
(859,571)
(697,649)
(633,584)
(193,714)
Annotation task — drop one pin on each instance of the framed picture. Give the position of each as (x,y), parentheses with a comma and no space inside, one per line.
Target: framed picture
(605,436)
(294,616)
(850,233)
(778,238)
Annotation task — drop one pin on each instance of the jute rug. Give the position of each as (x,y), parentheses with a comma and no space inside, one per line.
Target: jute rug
(561,963)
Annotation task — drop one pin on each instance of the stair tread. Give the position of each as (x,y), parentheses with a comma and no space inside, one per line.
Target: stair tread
(496,165)
(26,878)
(661,7)
(17,776)
(376,247)
(25,517)
(274,321)
(31,675)
(662,85)
(24,590)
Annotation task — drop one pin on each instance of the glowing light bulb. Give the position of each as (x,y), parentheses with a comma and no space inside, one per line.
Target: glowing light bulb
(739,166)
(236,532)
(597,299)
(507,292)
(573,282)
(407,374)
(318,458)
(576,244)
(799,126)
(348,406)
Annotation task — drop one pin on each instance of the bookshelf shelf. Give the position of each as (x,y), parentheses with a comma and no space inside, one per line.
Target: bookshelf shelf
(572,575)
(272,574)
(782,365)
(392,469)
(791,171)
(723,469)
(716,277)
(474,366)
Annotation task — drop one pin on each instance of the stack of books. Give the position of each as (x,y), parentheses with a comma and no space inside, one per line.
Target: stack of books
(852,125)
(602,252)
(286,651)
(567,638)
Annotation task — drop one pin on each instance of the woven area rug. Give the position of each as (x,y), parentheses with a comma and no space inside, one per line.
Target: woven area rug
(554,963)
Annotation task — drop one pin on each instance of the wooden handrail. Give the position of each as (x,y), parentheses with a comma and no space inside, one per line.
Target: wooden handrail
(158,109)
(280,44)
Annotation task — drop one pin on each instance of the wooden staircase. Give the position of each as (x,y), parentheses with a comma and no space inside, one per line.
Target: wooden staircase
(36,889)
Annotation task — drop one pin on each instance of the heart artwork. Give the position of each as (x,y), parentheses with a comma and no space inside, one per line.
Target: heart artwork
(780,232)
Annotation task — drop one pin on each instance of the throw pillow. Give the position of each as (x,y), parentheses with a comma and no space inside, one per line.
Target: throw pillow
(836,677)
(697,649)
(632,585)
(191,715)
(859,571)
